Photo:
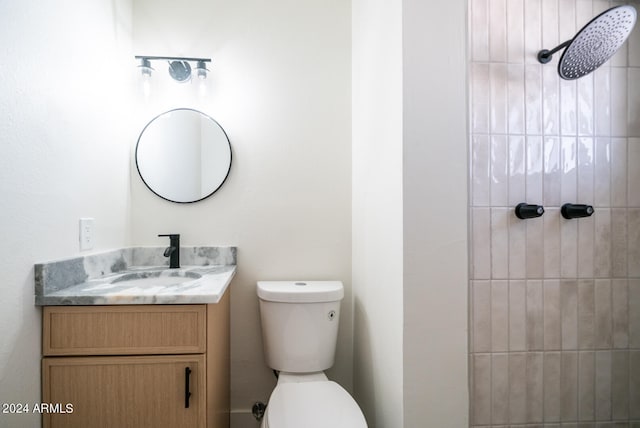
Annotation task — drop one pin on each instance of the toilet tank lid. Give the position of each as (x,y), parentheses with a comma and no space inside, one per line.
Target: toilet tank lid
(300,291)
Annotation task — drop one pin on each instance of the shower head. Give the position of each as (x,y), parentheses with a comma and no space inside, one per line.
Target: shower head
(594,44)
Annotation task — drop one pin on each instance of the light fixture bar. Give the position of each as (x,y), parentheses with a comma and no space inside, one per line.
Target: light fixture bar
(172,58)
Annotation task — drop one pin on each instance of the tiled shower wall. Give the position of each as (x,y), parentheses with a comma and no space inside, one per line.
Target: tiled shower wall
(555,303)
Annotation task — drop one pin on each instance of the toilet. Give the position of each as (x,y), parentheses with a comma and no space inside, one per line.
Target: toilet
(299,331)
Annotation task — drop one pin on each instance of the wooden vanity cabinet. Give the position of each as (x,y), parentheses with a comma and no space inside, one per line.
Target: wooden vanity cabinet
(136,366)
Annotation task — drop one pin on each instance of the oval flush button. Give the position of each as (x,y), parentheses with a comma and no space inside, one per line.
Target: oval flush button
(331,315)
(300,283)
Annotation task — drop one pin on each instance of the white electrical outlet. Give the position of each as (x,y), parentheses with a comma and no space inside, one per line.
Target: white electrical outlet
(86,233)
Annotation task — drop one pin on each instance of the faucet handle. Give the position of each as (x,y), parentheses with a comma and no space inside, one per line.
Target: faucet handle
(170,235)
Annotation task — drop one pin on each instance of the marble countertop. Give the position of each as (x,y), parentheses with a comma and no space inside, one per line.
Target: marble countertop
(112,278)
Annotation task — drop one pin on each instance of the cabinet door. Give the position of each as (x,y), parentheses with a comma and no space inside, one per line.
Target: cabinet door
(136,392)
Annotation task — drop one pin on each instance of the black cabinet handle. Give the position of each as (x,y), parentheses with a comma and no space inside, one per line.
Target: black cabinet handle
(570,211)
(524,210)
(187,392)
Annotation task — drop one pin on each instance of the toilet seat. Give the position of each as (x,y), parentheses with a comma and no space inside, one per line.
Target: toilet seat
(312,405)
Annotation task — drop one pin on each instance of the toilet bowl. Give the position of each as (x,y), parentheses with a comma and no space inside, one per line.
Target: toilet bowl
(299,328)
(311,401)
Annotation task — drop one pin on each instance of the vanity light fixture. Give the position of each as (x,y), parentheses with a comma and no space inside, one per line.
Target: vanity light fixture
(179,67)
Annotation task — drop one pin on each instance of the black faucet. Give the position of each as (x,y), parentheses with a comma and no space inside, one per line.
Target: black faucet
(173,250)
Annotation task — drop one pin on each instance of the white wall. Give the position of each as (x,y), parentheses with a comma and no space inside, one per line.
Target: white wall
(410,212)
(280,87)
(377,210)
(435,213)
(65,154)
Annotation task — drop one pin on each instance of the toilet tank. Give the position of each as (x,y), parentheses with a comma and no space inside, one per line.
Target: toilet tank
(300,323)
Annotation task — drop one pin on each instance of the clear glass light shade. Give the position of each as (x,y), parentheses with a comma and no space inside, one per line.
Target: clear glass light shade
(201,69)
(145,68)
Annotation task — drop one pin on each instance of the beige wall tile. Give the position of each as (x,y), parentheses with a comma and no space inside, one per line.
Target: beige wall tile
(532,28)
(569,162)
(480,174)
(634,313)
(550,23)
(481,389)
(620,313)
(480,29)
(568,107)
(535,315)
(586,314)
(602,93)
(517,315)
(585,103)
(569,386)
(603,314)
(568,248)
(586,169)
(497,35)
(620,384)
(551,254)
(618,172)
(515,31)
(535,393)
(515,85)
(533,105)
(602,244)
(552,171)
(633,102)
(551,387)
(499,316)
(634,48)
(481,245)
(535,157)
(586,386)
(633,248)
(602,184)
(498,94)
(550,101)
(619,242)
(634,384)
(535,248)
(517,388)
(619,93)
(586,247)
(500,242)
(499,389)
(569,313)
(552,324)
(517,165)
(481,316)
(517,248)
(603,385)
(499,171)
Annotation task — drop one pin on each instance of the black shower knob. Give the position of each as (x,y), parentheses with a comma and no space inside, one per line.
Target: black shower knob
(570,211)
(524,210)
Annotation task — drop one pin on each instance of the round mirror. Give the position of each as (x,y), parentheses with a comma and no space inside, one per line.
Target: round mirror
(183,155)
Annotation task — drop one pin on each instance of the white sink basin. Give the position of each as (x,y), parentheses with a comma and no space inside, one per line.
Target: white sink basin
(155,278)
